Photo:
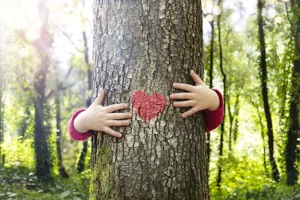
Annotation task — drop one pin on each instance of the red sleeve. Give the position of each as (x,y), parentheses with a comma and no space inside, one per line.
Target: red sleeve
(214,118)
(73,132)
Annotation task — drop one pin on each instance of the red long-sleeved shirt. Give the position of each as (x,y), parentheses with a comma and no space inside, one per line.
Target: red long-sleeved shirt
(212,120)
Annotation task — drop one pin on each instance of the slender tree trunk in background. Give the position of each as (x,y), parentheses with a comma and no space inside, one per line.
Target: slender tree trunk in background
(294,130)
(211,54)
(219,177)
(141,45)
(40,136)
(1,116)
(27,119)
(42,45)
(211,77)
(262,136)
(81,161)
(264,80)
(235,124)
(233,117)
(61,169)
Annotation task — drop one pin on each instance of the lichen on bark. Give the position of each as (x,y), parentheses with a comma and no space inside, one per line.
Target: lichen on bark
(102,179)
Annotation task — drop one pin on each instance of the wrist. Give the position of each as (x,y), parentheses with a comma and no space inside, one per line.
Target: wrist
(79,123)
(215,101)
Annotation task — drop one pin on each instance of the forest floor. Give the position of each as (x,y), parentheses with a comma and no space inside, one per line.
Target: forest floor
(19,183)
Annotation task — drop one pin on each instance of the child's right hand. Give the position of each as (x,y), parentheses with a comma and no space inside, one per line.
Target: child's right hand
(100,118)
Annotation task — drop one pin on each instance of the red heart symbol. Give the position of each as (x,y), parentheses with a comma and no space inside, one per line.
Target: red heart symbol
(148,107)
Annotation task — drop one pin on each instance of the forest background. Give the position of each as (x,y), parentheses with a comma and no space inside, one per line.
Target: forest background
(251,55)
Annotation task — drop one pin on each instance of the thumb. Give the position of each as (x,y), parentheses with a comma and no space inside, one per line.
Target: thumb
(196,78)
(99,99)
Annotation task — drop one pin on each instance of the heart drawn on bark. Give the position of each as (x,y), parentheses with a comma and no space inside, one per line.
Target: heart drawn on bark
(148,107)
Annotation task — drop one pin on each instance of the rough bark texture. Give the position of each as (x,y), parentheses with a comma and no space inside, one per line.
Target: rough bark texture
(294,130)
(148,45)
(264,86)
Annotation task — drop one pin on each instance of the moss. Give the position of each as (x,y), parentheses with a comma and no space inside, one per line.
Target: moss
(102,180)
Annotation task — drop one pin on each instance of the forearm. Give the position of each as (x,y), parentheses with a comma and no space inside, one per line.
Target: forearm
(214,118)
(75,133)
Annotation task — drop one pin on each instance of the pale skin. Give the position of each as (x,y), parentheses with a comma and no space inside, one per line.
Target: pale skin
(101,118)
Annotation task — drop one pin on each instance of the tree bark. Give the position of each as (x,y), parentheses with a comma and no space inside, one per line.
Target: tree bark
(148,45)
(294,130)
(264,84)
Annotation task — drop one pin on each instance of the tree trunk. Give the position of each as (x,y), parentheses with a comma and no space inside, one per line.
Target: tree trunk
(61,169)
(264,80)
(42,45)
(141,45)
(83,153)
(40,142)
(219,177)
(211,77)
(27,119)
(235,125)
(1,115)
(294,130)
(233,119)
(260,118)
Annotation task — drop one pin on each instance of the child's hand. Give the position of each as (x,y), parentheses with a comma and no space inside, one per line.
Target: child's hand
(100,118)
(198,97)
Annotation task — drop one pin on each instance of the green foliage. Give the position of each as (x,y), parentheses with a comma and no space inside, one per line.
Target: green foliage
(245,178)
(18,152)
(20,183)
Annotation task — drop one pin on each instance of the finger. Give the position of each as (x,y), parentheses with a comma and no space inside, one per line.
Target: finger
(183,86)
(182,96)
(117,122)
(189,112)
(119,115)
(99,99)
(180,104)
(115,107)
(112,132)
(196,78)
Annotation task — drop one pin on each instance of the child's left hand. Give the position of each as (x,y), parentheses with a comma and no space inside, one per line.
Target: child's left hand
(198,97)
